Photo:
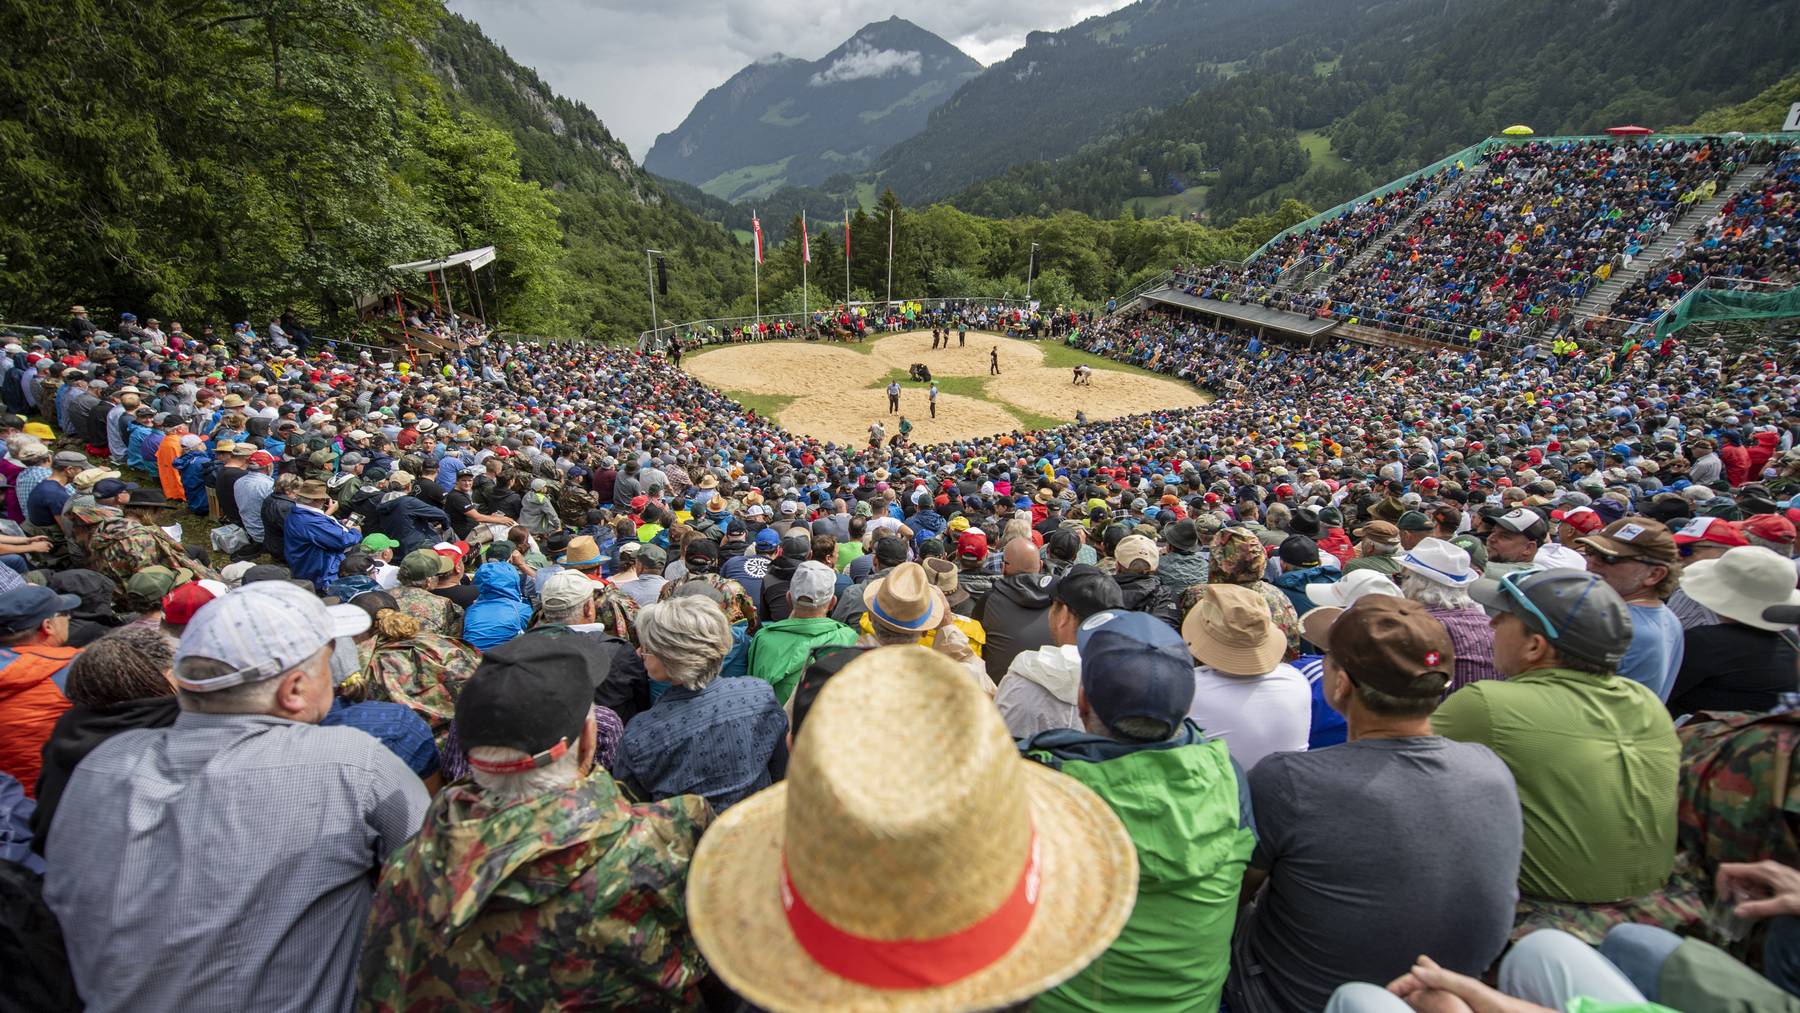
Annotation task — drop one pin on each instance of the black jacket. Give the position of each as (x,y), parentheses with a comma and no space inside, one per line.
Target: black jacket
(79,732)
(1144,592)
(275,510)
(626,688)
(225,486)
(772,603)
(1016,615)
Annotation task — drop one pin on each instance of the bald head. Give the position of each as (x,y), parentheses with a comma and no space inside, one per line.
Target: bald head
(1021,557)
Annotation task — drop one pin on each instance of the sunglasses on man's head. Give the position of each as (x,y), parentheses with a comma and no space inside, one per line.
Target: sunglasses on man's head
(1509,584)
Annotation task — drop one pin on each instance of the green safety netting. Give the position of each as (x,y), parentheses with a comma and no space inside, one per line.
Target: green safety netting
(1716,304)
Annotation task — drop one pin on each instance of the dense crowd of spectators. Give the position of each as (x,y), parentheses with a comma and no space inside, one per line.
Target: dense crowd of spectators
(1754,237)
(1510,254)
(532,676)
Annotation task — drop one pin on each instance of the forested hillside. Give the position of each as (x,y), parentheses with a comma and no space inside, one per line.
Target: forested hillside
(1067,88)
(199,159)
(1766,112)
(610,210)
(1411,81)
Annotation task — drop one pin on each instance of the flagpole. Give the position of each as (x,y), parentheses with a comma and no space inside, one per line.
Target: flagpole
(805,257)
(650,273)
(756,268)
(846,257)
(890,287)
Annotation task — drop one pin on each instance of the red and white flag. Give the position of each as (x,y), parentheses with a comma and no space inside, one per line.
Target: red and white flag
(846,233)
(756,234)
(805,240)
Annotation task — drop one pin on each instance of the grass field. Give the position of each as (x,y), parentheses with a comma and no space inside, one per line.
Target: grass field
(1165,205)
(1319,147)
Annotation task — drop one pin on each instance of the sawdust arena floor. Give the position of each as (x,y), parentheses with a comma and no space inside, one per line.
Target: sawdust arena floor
(836,392)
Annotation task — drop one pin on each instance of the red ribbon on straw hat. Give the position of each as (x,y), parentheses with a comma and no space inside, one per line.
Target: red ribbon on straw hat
(914,963)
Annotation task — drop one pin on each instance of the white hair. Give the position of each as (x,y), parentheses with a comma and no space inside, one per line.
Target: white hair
(1434,595)
(689,635)
(527,784)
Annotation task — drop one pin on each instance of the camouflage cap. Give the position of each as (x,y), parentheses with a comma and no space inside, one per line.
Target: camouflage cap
(94,513)
(1238,556)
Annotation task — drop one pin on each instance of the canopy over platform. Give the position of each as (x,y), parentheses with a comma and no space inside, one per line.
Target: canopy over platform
(474,260)
(1630,130)
(1247,313)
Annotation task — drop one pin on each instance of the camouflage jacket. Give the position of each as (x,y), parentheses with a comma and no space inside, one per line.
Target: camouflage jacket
(1740,790)
(121,547)
(574,501)
(425,673)
(738,606)
(435,613)
(572,900)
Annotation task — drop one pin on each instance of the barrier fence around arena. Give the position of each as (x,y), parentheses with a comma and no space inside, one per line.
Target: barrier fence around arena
(652,340)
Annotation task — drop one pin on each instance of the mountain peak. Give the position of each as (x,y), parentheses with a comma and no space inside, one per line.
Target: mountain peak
(789,121)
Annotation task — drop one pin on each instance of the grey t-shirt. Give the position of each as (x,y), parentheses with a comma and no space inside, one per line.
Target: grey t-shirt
(1379,850)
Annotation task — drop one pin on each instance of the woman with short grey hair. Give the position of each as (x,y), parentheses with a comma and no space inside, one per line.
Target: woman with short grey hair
(722,739)
(683,640)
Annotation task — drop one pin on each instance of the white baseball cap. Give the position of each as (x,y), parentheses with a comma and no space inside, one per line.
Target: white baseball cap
(813,583)
(262,630)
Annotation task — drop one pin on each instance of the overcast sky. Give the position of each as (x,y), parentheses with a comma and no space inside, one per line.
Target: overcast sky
(641,66)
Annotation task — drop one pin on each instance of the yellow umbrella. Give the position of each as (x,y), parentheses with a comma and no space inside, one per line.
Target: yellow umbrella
(1518,130)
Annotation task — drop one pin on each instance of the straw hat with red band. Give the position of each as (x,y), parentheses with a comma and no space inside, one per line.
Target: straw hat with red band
(936,869)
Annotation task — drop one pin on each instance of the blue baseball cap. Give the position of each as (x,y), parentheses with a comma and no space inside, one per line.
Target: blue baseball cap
(1134,665)
(25,607)
(768,538)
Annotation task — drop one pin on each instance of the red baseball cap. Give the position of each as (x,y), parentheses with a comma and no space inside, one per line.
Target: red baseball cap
(180,604)
(1709,529)
(972,545)
(1582,519)
(1770,528)
(1283,490)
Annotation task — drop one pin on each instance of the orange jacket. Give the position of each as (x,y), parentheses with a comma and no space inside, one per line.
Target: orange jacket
(30,703)
(166,453)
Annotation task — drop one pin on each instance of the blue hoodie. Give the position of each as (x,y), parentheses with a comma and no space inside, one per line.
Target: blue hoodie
(499,613)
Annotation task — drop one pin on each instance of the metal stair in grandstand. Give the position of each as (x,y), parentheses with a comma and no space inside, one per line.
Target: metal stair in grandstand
(1600,298)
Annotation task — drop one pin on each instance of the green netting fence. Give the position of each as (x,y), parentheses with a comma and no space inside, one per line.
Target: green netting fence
(1704,304)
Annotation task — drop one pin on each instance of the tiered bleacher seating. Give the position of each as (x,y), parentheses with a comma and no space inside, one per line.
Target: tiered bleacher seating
(1755,236)
(1503,258)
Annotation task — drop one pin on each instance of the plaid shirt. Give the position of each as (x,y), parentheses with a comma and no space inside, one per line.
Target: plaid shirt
(1473,640)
